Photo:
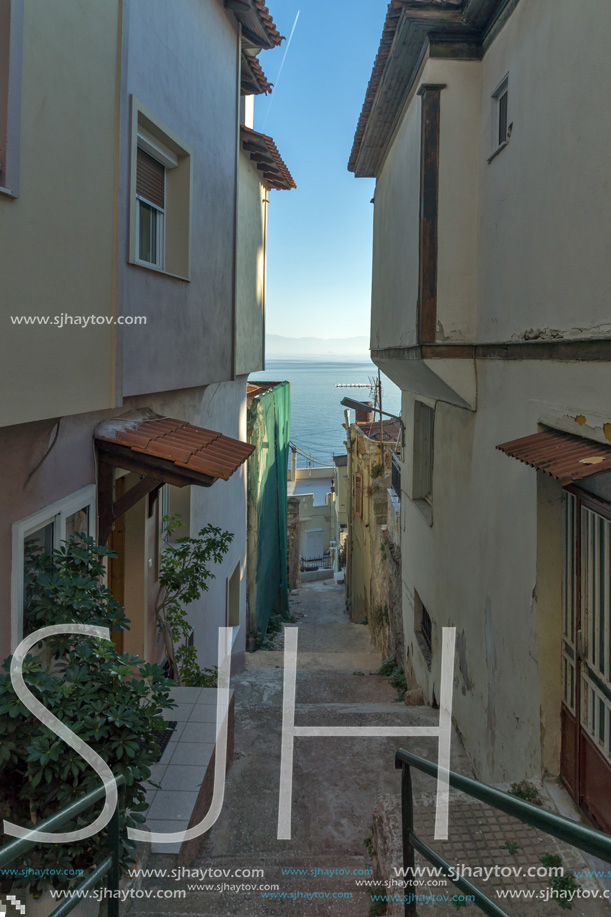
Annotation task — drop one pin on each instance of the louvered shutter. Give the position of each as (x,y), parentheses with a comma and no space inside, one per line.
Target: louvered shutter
(150,179)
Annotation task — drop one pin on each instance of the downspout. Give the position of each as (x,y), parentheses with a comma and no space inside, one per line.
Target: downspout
(235,202)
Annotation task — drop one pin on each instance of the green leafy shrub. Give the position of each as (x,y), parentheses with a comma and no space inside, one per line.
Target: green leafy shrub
(388,666)
(113,701)
(391,669)
(183,577)
(563,887)
(526,791)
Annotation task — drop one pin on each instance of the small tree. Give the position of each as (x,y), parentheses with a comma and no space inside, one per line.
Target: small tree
(183,577)
(111,700)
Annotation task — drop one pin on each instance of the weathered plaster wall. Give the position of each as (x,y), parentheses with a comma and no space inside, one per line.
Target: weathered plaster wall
(396,221)
(544,250)
(395,234)
(56,239)
(489,562)
(44,467)
(181,62)
(250,278)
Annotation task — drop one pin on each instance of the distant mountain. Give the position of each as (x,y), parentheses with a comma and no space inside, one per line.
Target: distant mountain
(277,345)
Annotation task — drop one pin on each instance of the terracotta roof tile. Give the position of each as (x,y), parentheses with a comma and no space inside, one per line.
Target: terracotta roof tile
(371,429)
(253,76)
(393,14)
(562,456)
(268,23)
(187,446)
(279,177)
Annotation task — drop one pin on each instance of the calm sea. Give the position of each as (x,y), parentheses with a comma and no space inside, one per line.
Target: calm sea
(316,412)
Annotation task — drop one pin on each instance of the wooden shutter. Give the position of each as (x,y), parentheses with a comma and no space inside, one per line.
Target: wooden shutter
(358,495)
(150,179)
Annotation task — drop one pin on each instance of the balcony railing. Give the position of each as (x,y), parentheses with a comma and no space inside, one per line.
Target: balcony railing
(587,839)
(110,866)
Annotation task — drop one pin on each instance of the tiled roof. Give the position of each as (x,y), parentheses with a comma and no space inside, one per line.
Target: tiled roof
(258,388)
(265,153)
(562,456)
(371,429)
(194,448)
(393,14)
(268,23)
(254,81)
(407,28)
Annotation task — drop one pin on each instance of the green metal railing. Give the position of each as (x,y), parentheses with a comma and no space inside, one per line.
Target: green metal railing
(573,833)
(109,866)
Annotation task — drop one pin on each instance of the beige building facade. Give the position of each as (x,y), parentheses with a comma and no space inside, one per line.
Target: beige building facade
(490,309)
(132,239)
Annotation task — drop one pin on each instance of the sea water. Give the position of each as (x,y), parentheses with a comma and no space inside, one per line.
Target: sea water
(316,413)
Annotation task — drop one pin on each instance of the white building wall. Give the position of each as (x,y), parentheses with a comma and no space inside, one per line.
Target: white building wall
(476,566)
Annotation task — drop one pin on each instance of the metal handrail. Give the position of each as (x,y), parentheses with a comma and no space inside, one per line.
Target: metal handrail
(109,866)
(587,839)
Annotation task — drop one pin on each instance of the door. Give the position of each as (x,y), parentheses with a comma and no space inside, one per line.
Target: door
(586,655)
(314,543)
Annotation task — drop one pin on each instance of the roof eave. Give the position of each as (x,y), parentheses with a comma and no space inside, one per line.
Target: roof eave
(408,30)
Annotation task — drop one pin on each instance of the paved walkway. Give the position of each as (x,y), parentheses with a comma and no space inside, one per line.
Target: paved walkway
(337,782)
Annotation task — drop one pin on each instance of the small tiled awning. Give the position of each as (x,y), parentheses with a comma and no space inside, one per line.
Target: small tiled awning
(161,450)
(562,456)
(194,449)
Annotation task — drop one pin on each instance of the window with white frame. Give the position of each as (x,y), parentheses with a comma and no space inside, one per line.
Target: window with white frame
(150,193)
(501,128)
(161,195)
(47,530)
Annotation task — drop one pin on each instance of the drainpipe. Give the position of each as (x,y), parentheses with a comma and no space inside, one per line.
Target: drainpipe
(293,474)
(349,502)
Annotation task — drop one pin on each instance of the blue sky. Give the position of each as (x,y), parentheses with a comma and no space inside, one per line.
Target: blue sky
(319,236)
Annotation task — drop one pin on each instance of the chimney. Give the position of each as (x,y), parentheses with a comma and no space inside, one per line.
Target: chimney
(364,416)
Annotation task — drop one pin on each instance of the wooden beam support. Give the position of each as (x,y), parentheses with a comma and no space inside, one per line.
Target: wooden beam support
(133,496)
(150,466)
(429,211)
(251,147)
(262,157)
(106,488)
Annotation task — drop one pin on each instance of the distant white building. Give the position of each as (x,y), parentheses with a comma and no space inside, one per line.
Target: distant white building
(483,127)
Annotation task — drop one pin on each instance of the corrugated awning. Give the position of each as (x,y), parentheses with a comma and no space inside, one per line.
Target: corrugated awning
(562,456)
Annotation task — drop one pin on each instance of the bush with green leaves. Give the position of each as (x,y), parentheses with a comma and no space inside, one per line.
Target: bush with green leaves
(113,701)
(183,577)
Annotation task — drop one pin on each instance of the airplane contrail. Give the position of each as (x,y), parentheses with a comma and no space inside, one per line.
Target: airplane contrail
(286,51)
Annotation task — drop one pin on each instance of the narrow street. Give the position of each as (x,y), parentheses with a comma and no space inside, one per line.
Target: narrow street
(336,780)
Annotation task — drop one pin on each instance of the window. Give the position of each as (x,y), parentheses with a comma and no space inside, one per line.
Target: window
(423,627)
(11,40)
(150,192)
(424,431)
(46,529)
(501,128)
(161,198)
(358,495)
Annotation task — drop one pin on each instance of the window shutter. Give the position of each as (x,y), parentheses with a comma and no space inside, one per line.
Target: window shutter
(358,495)
(150,179)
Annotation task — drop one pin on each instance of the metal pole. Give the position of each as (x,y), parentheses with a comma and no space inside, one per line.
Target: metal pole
(114,873)
(381,422)
(407,830)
